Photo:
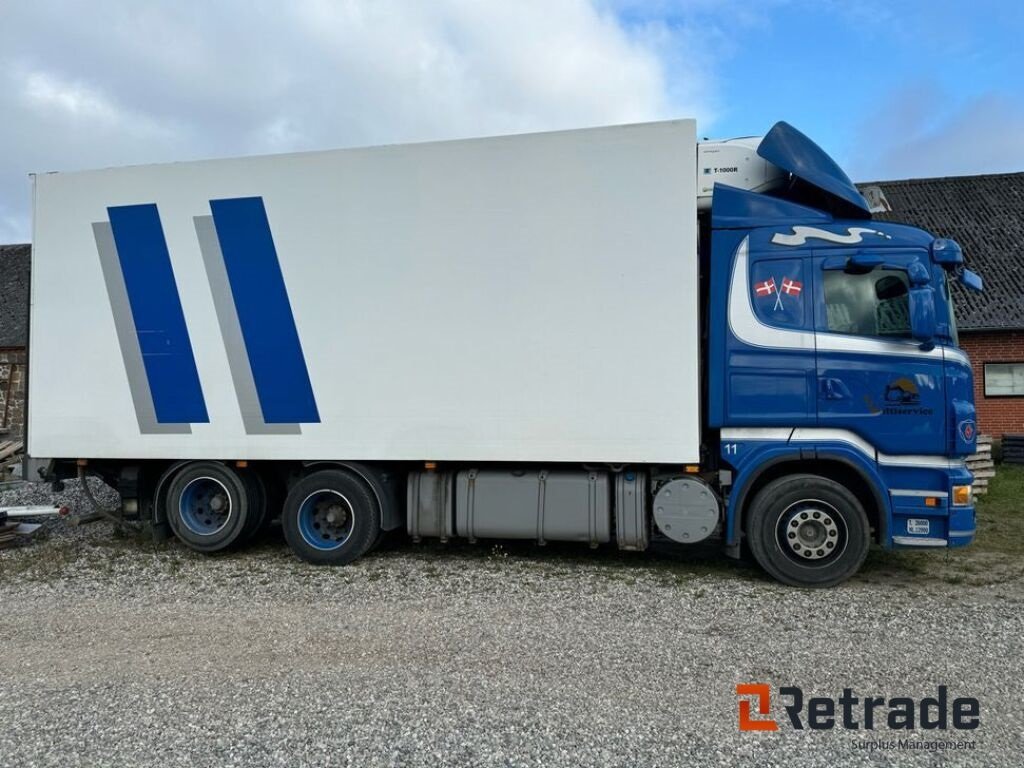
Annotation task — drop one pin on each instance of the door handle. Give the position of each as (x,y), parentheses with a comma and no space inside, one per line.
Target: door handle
(832,389)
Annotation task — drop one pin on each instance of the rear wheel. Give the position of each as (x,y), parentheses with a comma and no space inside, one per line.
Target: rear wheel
(258,506)
(209,506)
(808,531)
(330,517)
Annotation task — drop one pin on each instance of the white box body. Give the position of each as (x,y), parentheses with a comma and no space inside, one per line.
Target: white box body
(524,298)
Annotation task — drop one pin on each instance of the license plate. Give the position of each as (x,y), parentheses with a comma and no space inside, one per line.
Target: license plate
(918,526)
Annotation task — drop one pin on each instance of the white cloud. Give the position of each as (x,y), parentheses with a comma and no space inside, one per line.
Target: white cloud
(45,92)
(129,81)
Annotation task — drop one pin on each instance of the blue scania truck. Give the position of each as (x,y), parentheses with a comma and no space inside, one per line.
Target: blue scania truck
(614,336)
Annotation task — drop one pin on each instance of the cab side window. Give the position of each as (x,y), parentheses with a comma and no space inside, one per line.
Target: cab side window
(777,292)
(874,304)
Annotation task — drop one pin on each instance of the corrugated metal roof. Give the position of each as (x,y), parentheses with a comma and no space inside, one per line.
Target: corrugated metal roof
(985,214)
(15,263)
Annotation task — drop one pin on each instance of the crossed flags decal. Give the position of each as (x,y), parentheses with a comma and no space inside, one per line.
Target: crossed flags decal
(790,287)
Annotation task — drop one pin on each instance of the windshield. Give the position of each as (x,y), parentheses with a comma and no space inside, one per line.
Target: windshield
(947,294)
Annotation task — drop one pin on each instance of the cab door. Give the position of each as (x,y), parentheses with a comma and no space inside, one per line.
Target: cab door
(873,379)
(770,366)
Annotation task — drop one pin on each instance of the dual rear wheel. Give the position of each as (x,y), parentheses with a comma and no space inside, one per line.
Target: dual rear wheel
(329,517)
(211,506)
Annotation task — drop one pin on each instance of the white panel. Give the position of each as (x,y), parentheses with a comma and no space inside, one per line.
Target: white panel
(822,435)
(524,298)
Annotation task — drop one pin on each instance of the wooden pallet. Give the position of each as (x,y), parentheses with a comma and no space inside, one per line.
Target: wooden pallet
(10,448)
(10,454)
(981,465)
(11,533)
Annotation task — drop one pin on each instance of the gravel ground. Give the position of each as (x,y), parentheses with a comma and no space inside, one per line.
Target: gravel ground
(115,651)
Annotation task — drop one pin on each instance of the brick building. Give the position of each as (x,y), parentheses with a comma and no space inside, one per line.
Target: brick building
(14,274)
(985,214)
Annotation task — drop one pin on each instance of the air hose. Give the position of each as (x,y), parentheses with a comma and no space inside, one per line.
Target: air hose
(110,515)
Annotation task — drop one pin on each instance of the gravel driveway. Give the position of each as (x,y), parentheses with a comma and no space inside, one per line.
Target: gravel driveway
(118,652)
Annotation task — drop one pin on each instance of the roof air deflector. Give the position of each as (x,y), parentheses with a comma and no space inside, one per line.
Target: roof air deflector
(790,150)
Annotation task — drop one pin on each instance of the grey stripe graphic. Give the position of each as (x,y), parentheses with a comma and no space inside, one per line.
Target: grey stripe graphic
(231,332)
(127,338)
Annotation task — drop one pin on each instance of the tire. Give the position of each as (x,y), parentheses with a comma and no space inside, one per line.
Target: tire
(208,506)
(258,511)
(808,531)
(330,517)
(382,539)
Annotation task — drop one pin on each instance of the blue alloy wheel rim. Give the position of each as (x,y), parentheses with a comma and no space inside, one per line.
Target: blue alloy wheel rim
(325,520)
(205,506)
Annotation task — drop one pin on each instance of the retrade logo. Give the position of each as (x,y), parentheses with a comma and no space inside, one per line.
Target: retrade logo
(851,712)
(761,694)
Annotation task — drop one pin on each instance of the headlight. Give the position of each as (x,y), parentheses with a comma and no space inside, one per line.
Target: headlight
(963,495)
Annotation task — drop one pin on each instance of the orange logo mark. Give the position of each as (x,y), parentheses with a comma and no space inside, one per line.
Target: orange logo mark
(763,694)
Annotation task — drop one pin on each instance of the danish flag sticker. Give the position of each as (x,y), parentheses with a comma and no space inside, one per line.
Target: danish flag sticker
(767,288)
(791,287)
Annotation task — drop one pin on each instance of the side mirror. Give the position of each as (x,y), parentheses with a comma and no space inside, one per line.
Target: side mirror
(947,253)
(972,281)
(918,274)
(922,315)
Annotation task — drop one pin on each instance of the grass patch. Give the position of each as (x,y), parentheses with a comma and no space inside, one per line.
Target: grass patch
(995,556)
(1001,514)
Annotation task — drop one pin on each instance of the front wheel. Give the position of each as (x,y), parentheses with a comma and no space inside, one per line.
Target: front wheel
(808,531)
(330,518)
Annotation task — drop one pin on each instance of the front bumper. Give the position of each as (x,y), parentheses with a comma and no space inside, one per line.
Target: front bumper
(925,518)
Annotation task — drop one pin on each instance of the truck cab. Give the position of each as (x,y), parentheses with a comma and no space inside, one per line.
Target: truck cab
(843,404)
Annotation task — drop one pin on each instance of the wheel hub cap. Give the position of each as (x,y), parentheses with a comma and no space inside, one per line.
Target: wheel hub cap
(205,506)
(812,533)
(325,519)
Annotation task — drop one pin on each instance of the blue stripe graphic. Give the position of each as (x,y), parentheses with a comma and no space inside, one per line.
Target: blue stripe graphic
(156,311)
(264,312)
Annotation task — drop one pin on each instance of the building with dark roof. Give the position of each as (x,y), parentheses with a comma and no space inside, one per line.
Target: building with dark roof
(985,215)
(15,264)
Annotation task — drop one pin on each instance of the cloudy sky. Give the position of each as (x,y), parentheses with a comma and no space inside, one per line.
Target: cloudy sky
(891,88)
